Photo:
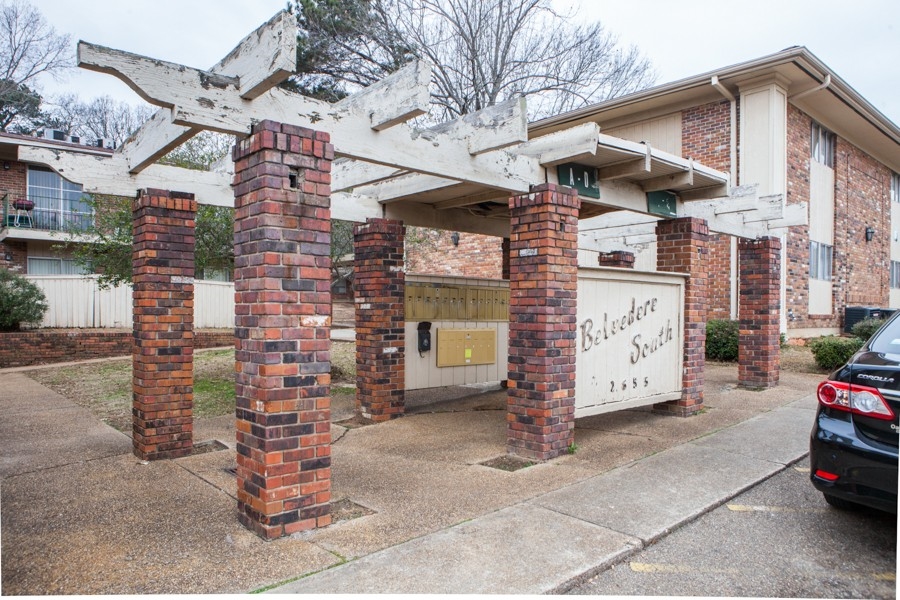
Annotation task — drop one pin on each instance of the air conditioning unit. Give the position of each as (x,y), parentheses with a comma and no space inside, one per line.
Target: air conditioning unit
(54,134)
(105,143)
(855,314)
(74,139)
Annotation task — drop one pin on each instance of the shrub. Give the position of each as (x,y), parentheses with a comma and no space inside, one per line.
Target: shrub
(866,328)
(20,301)
(722,340)
(832,352)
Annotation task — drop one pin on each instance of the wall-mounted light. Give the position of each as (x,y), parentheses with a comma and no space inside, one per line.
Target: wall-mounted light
(454,237)
(870,233)
(8,257)
(6,165)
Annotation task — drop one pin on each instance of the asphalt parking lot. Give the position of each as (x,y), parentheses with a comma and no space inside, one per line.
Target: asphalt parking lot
(778,539)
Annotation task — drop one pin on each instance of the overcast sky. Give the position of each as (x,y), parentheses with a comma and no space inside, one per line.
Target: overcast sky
(859,40)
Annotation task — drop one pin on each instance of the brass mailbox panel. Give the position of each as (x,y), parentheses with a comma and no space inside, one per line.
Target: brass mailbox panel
(430,302)
(464,347)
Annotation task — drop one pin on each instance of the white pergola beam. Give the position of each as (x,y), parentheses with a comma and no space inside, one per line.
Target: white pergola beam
(407,90)
(210,101)
(260,61)
(489,129)
(562,146)
(108,175)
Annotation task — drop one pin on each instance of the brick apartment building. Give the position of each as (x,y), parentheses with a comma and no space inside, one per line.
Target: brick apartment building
(793,126)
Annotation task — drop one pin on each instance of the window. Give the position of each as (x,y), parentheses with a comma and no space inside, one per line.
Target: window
(895,274)
(53,266)
(59,204)
(820,261)
(822,145)
(895,187)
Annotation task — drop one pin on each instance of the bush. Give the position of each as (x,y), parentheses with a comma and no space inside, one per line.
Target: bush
(20,301)
(722,340)
(832,352)
(866,328)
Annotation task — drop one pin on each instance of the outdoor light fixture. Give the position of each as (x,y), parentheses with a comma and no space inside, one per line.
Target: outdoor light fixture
(6,165)
(8,257)
(870,233)
(454,237)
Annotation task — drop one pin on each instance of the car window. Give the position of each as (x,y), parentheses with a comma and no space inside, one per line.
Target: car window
(888,340)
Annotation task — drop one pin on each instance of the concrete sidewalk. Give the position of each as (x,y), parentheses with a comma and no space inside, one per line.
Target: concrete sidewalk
(81,515)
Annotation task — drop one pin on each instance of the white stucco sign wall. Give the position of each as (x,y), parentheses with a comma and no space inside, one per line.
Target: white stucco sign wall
(630,339)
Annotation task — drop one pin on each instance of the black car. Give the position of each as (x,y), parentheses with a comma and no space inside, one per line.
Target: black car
(853,446)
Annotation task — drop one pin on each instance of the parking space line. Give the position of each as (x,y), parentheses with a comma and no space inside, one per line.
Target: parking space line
(639,567)
(772,509)
(802,469)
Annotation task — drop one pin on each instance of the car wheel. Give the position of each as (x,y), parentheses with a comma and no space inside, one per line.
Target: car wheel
(840,503)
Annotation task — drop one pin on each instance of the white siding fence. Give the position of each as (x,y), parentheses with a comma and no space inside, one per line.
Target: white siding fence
(77,302)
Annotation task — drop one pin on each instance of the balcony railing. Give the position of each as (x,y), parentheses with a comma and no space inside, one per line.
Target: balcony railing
(48,214)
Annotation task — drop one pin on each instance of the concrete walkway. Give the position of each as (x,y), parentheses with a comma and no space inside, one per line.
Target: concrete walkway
(415,510)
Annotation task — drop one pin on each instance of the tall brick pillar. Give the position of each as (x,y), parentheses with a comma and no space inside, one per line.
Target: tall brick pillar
(282,283)
(620,259)
(163,299)
(682,248)
(379,285)
(543,286)
(759,353)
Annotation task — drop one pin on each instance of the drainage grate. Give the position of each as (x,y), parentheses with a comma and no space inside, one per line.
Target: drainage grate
(208,446)
(508,462)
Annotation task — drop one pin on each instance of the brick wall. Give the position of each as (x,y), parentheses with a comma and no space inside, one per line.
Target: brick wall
(619,259)
(862,197)
(432,252)
(797,241)
(706,138)
(13,182)
(49,346)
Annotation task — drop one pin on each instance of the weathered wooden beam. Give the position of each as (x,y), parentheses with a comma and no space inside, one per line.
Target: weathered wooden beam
(107,175)
(707,193)
(668,182)
(204,99)
(460,220)
(264,58)
(154,139)
(397,98)
(489,129)
(568,145)
(794,214)
(348,174)
(260,61)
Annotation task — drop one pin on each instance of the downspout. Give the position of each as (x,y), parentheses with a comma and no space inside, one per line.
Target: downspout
(733,177)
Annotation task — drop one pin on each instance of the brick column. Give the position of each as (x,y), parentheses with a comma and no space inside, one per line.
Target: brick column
(282,289)
(163,298)
(543,286)
(504,264)
(379,284)
(620,259)
(759,352)
(682,248)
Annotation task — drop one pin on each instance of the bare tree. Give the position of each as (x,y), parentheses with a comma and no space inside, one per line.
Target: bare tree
(29,47)
(483,51)
(101,117)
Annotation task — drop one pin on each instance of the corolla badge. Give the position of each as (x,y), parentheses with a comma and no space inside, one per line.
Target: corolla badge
(876,378)
(895,428)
